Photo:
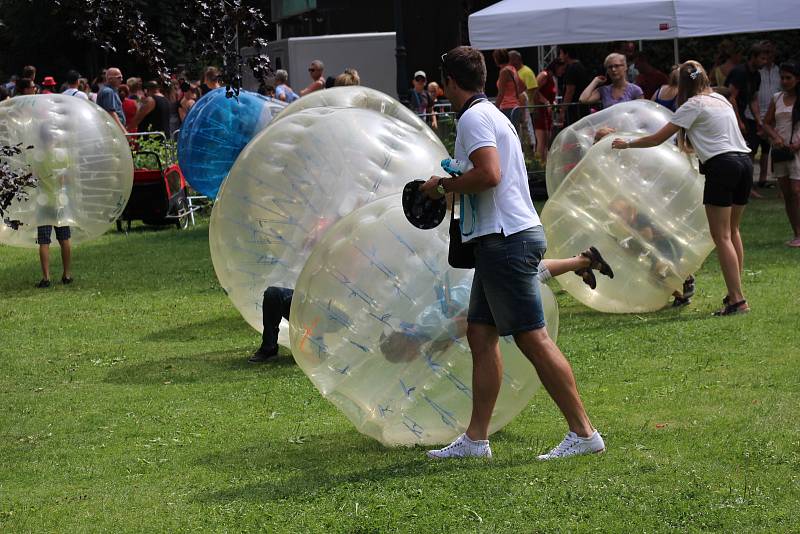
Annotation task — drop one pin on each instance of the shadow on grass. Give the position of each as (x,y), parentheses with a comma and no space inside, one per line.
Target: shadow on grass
(223,326)
(323,463)
(157,254)
(215,366)
(587,318)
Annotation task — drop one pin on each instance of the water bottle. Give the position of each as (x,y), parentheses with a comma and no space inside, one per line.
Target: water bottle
(455,167)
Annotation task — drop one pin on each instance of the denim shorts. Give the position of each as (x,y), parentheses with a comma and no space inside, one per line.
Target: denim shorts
(505,290)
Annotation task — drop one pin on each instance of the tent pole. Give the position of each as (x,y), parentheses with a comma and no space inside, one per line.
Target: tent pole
(675,51)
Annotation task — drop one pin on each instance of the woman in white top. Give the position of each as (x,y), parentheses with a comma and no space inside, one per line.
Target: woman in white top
(782,124)
(706,123)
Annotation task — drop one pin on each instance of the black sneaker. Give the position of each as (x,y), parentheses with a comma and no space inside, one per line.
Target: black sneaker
(43,284)
(261,356)
(680,301)
(688,287)
(66,280)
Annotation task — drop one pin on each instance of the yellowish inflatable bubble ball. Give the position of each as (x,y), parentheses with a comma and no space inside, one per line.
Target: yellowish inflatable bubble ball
(643,209)
(378,323)
(80,158)
(297,178)
(359,97)
(640,117)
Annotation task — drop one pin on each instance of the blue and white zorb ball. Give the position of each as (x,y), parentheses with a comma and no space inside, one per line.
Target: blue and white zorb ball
(216,130)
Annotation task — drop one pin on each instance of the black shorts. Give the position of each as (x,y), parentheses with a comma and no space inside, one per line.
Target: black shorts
(729,178)
(43,234)
(754,140)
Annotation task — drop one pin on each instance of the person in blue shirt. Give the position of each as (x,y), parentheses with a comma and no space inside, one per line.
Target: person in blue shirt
(108,97)
(282,90)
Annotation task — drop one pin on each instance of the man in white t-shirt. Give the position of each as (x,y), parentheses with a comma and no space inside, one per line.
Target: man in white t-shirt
(509,244)
(73,77)
(770,84)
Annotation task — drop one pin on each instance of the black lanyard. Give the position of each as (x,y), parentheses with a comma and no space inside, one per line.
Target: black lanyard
(474,99)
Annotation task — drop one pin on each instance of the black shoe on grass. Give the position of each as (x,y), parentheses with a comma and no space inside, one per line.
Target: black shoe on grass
(688,287)
(679,302)
(261,356)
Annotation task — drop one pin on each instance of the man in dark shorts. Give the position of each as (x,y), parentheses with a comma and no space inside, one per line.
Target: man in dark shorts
(509,244)
(63,234)
(744,82)
(576,78)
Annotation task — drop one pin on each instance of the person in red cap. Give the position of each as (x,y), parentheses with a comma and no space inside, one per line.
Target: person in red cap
(48,85)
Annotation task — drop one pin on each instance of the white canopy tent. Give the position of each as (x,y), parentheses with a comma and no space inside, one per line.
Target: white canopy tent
(523,23)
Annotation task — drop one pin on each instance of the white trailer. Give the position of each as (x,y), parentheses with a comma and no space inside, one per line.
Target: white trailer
(371,54)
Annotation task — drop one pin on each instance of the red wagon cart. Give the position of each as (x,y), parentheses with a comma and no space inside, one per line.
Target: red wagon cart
(159,194)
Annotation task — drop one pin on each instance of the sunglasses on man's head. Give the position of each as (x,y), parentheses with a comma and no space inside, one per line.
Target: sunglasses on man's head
(420,78)
(443,58)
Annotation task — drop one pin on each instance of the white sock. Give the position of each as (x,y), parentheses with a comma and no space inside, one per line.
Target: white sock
(544,273)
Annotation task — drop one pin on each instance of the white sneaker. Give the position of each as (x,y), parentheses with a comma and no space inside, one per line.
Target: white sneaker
(463,447)
(574,445)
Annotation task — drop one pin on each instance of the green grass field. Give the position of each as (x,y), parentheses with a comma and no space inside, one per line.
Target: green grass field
(127,405)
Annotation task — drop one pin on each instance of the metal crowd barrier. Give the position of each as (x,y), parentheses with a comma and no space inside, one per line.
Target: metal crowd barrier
(561,116)
(443,107)
(445,125)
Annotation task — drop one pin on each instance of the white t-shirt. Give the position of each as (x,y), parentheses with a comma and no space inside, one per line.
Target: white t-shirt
(711,126)
(770,84)
(506,208)
(71,91)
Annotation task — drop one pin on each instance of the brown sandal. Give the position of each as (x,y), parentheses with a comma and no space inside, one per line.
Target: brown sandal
(597,262)
(587,275)
(733,309)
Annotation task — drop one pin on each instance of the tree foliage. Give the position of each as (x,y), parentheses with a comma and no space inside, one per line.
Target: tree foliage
(208,31)
(14,182)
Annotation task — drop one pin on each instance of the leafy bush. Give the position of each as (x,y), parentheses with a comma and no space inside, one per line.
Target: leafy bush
(166,151)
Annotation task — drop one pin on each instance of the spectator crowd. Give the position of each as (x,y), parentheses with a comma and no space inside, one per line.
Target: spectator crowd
(567,90)
(758,86)
(139,105)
